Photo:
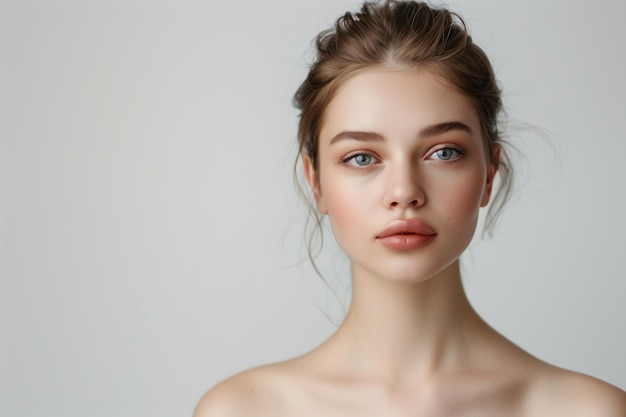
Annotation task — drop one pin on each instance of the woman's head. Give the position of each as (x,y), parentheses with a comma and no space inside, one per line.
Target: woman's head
(402,35)
(402,173)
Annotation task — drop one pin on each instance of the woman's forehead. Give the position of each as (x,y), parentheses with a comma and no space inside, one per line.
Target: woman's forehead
(395,102)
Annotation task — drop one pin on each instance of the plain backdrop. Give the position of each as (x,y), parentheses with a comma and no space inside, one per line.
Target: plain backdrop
(151,235)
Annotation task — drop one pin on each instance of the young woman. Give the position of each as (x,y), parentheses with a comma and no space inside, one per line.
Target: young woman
(400,146)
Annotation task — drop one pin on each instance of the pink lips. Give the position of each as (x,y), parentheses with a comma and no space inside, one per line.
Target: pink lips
(406,234)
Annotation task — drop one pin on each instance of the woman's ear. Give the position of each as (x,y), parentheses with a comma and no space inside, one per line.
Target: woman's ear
(312,179)
(491,173)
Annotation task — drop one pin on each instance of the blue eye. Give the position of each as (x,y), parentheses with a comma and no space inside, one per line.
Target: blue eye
(360,160)
(446,154)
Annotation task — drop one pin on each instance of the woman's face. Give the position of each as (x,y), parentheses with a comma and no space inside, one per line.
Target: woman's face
(402,173)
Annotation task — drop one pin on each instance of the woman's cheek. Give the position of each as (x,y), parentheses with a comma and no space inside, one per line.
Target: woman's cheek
(348,204)
(463,204)
(339,201)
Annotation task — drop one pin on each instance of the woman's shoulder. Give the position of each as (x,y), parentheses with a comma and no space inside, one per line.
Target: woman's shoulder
(271,390)
(543,389)
(557,391)
(259,391)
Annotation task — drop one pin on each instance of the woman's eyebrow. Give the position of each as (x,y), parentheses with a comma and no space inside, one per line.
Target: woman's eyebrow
(428,131)
(439,128)
(355,135)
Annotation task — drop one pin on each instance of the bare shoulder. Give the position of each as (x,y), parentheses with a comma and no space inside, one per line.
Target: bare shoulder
(561,392)
(256,392)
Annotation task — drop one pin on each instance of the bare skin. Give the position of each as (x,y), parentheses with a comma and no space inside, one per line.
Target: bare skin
(411,343)
(358,372)
(372,369)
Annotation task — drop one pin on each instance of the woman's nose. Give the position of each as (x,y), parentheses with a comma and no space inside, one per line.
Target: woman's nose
(404,189)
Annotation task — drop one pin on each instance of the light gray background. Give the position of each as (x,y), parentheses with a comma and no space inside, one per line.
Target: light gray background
(151,237)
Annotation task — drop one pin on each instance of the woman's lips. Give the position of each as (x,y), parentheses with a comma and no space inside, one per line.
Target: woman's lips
(406,234)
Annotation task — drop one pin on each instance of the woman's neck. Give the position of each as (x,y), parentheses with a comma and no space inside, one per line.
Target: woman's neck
(393,330)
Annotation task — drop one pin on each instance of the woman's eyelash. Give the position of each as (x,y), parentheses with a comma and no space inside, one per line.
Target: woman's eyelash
(359,159)
(363,159)
(447,153)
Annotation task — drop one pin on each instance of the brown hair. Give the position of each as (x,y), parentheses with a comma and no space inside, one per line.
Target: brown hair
(403,34)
